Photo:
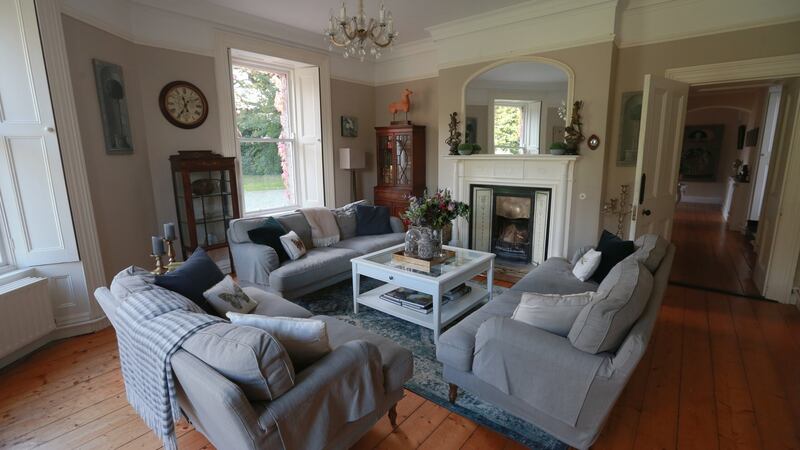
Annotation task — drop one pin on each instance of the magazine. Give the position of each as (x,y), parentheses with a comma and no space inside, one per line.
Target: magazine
(411,299)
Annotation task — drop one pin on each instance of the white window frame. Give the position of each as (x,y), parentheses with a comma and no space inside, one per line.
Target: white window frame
(292,140)
(7,263)
(531,129)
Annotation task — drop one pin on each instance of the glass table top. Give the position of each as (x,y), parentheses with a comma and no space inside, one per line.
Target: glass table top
(463,257)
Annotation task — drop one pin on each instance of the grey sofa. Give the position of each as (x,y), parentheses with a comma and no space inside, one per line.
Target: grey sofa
(219,409)
(257,265)
(542,377)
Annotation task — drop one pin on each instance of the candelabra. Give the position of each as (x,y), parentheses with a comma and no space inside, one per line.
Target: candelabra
(356,34)
(620,207)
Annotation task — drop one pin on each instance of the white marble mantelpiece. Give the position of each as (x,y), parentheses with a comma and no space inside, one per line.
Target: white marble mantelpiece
(554,172)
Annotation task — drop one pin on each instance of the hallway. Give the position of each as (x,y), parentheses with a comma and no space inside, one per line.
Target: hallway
(708,254)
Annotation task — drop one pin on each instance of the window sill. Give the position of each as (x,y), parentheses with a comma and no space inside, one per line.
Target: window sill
(15,274)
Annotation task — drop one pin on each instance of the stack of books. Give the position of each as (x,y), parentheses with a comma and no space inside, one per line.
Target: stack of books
(417,301)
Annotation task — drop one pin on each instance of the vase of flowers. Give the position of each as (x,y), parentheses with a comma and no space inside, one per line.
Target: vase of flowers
(431,213)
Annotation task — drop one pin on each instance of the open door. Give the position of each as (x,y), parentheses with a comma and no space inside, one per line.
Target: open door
(659,154)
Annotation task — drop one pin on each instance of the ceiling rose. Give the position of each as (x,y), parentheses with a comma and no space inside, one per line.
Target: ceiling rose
(358,35)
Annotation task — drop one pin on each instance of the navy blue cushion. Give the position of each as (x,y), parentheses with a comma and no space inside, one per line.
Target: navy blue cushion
(372,220)
(195,276)
(613,250)
(269,233)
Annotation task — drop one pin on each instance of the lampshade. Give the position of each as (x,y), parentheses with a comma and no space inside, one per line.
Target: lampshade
(351,159)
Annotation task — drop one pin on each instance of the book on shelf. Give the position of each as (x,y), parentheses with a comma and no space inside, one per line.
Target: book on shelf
(417,301)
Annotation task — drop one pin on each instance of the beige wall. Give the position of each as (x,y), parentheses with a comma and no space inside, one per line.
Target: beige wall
(424,111)
(358,100)
(592,66)
(122,193)
(633,63)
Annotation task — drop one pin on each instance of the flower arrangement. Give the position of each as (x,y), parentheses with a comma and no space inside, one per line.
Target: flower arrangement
(434,211)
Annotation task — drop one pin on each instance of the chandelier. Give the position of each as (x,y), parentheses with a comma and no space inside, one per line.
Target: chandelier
(359,35)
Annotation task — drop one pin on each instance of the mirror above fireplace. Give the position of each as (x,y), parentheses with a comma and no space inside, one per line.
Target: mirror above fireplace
(513,108)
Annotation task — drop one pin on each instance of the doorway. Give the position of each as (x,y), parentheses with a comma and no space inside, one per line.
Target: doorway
(727,146)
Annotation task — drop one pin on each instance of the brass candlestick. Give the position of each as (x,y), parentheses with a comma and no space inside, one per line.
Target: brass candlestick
(170,252)
(620,207)
(159,270)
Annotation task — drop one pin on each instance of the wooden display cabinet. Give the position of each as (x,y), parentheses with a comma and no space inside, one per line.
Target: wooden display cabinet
(206,198)
(401,165)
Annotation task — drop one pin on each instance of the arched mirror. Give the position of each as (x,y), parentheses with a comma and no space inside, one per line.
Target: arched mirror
(517,108)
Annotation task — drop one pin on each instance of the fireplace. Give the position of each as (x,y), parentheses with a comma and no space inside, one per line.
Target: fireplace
(510,221)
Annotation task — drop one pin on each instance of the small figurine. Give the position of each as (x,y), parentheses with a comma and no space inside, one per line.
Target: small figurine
(403,105)
(573,134)
(455,136)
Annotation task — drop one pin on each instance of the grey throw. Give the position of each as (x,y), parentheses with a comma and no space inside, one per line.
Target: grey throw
(151,327)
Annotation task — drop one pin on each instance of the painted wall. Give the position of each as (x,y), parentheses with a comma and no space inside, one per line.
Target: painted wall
(358,100)
(633,63)
(592,65)
(122,193)
(424,111)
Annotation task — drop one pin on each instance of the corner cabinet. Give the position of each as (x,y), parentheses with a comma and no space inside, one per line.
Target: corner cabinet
(206,198)
(401,165)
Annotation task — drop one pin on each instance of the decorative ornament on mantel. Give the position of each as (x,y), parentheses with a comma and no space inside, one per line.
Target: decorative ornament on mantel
(454,140)
(573,133)
(359,35)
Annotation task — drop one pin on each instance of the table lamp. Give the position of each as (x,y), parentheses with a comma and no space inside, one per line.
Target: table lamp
(352,160)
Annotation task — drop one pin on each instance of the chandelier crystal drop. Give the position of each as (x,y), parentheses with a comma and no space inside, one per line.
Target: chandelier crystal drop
(359,35)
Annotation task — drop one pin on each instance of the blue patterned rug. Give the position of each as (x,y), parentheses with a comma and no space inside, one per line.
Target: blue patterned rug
(337,301)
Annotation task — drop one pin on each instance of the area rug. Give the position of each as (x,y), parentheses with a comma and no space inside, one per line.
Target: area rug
(337,301)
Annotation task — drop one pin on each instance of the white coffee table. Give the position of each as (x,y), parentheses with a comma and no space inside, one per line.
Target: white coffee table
(462,267)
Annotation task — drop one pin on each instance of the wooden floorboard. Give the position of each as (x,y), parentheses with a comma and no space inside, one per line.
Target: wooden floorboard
(720,372)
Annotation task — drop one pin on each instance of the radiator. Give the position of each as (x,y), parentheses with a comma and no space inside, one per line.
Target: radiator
(25,313)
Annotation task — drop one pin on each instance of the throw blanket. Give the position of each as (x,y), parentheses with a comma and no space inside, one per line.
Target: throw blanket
(151,326)
(324,230)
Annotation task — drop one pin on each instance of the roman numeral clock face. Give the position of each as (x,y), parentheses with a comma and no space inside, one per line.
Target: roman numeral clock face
(183,104)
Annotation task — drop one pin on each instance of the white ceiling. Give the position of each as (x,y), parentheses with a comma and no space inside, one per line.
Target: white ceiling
(524,72)
(411,17)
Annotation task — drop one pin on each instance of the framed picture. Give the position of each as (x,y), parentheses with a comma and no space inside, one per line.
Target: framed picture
(700,155)
(630,120)
(751,137)
(349,126)
(113,107)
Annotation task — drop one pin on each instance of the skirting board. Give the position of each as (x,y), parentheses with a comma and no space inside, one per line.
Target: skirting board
(704,200)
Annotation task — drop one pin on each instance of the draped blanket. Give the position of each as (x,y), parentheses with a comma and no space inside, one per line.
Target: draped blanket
(324,230)
(151,326)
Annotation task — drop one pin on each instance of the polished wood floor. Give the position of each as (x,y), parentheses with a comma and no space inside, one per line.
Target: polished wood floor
(720,372)
(708,254)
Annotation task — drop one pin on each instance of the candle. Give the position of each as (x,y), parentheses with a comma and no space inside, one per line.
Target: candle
(343,13)
(382,14)
(390,25)
(169,231)
(158,245)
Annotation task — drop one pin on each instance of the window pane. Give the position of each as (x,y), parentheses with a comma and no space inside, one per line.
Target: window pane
(267,175)
(261,103)
(507,129)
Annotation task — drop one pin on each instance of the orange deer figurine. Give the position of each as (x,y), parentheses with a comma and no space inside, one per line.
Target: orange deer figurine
(403,105)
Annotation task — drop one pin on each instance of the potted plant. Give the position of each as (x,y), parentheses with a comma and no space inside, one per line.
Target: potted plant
(476,148)
(430,214)
(465,149)
(558,148)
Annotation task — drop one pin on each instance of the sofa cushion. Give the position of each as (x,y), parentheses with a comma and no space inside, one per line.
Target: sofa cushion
(553,276)
(456,345)
(131,280)
(614,250)
(369,244)
(551,312)
(619,301)
(249,357)
(273,305)
(305,339)
(346,219)
(195,276)
(650,250)
(372,220)
(318,264)
(398,362)
(269,233)
(293,245)
(227,296)
(297,222)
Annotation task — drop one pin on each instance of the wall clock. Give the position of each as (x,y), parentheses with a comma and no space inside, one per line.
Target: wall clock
(183,104)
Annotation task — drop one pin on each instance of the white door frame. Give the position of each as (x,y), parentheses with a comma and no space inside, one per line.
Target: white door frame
(782,266)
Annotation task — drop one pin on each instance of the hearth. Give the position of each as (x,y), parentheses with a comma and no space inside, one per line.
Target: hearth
(511,222)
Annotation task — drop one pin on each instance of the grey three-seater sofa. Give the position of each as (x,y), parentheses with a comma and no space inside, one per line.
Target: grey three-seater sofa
(542,377)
